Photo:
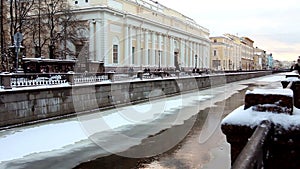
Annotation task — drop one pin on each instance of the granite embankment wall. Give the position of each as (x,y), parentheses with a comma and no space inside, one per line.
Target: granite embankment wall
(23,105)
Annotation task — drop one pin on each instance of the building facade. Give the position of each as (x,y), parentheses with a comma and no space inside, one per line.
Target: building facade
(225,54)
(270,61)
(230,52)
(260,59)
(141,33)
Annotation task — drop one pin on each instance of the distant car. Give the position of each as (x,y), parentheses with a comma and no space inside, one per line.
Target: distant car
(39,79)
(55,77)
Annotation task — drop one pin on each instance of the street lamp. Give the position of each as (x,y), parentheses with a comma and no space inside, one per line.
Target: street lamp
(51,46)
(196,61)
(159,52)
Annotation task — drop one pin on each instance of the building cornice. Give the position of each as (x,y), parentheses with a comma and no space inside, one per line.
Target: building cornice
(124,14)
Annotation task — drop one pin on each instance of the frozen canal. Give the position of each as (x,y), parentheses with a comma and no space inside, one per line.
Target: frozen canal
(173,132)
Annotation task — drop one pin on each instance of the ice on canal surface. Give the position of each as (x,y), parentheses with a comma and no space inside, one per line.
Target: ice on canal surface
(39,139)
(21,142)
(59,138)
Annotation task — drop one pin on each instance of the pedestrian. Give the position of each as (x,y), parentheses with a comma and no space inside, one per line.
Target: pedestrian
(297,66)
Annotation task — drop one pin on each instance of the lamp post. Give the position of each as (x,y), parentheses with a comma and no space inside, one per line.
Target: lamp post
(159,52)
(51,46)
(196,57)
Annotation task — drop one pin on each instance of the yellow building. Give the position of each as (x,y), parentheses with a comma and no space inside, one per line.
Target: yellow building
(142,33)
(230,52)
(222,53)
(225,53)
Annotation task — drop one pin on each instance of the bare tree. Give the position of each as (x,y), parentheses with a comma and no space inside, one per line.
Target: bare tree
(2,34)
(48,27)
(53,26)
(19,12)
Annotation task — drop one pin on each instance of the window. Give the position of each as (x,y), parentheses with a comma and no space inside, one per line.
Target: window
(215,40)
(76,2)
(115,53)
(215,52)
(86,1)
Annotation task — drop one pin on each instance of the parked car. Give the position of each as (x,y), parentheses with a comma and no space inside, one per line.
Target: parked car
(39,79)
(55,77)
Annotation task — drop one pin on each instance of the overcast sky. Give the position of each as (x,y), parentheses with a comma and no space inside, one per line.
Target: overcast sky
(274,25)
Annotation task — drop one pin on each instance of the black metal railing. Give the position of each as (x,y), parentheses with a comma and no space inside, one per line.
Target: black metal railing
(254,154)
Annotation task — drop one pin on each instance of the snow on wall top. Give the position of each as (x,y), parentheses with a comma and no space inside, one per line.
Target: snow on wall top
(294,72)
(292,79)
(284,92)
(253,118)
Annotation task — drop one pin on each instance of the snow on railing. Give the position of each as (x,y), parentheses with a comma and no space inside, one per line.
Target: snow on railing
(25,82)
(91,79)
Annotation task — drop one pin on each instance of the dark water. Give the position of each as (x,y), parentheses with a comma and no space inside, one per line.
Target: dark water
(186,154)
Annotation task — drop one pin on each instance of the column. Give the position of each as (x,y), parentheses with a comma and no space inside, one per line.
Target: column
(130,46)
(98,45)
(146,41)
(182,47)
(200,60)
(126,47)
(153,49)
(92,40)
(186,54)
(205,47)
(172,62)
(204,64)
(138,46)
(191,54)
(165,52)
(207,57)
(159,50)
(195,53)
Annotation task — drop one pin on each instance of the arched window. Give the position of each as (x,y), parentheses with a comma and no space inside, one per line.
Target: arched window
(115,50)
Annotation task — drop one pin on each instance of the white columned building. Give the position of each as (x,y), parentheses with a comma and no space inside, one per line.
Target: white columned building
(119,31)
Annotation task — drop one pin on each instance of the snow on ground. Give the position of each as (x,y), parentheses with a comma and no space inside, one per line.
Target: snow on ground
(49,137)
(283,92)
(39,139)
(253,118)
(273,78)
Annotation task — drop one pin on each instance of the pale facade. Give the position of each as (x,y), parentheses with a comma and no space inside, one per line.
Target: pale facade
(260,59)
(247,53)
(230,52)
(225,53)
(140,33)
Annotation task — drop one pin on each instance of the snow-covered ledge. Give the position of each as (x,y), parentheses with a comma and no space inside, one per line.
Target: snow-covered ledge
(252,118)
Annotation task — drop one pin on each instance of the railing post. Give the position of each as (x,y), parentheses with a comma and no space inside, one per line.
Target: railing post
(70,78)
(111,76)
(177,73)
(140,74)
(253,155)
(6,80)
